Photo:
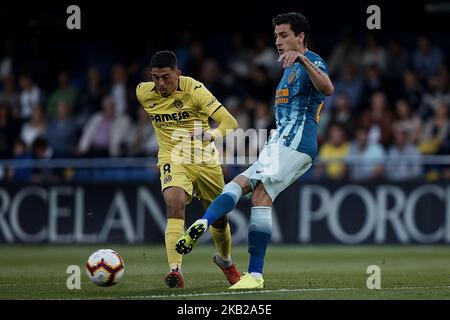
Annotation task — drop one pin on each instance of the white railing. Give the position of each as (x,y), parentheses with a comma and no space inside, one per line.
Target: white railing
(152,161)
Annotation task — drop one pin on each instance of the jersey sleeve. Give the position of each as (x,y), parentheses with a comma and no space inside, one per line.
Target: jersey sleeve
(204,99)
(139,92)
(319,63)
(226,123)
(142,92)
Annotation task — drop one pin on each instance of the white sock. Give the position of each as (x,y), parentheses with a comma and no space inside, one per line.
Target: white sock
(205,221)
(257,275)
(224,263)
(175,266)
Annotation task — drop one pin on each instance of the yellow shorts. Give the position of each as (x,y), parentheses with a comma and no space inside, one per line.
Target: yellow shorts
(199,181)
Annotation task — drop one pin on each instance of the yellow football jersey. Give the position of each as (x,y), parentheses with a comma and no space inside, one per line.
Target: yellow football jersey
(175,117)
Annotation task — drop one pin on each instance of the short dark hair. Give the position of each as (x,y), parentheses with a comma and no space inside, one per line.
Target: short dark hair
(296,20)
(39,143)
(163,59)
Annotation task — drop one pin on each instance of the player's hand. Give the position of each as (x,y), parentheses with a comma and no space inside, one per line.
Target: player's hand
(201,134)
(288,58)
(197,134)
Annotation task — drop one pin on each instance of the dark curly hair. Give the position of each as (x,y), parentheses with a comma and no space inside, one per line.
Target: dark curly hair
(296,20)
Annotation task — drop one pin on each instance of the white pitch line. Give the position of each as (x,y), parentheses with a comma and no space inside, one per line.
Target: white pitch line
(226,293)
(206,294)
(229,293)
(412,288)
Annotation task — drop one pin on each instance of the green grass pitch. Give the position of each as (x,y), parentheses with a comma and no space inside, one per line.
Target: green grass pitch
(291,272)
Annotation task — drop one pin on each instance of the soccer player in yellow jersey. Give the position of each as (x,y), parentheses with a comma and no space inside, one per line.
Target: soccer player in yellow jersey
(179,108)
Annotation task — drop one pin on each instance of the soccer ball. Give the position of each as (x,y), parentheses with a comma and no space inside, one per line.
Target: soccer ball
(105,267)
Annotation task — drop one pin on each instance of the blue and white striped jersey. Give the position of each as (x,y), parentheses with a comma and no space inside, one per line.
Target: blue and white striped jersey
(297,107)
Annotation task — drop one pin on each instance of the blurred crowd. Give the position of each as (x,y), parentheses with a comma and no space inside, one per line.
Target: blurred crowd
(389,108)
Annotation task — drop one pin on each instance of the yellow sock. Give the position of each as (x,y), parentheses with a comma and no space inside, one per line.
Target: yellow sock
(222,240)
(174,231)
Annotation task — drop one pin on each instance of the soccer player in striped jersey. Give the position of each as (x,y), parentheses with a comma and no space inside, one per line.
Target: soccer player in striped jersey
(289,151)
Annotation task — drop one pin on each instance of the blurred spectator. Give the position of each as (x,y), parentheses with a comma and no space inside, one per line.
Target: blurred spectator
(436,141)
(6,66)
(135,70)
(266,55)
(373,82)
(411,90)
(259,85)
(248,141)
(374,53)
(366,83)
(120,91)
(142,140)
(10,94)
(397,60)
(342,114)
(334,149)
(427,58)
(9,130)
(61,132)
(30,96)
(325,116)
(6,62)
(233,104)
(403,160)
(40,150)
(249,105)
(263,117)
(35,127)
(228,152)
(349,83)
(196,57)
(211,77)
(406,119)
(438,92)
(20,153)
(182,49)
(345,52)
(240,57)
(379,120)
(90,97)
(366,159)
(147,74)
(105,132)
(263,123)
(65,92)
(435,131)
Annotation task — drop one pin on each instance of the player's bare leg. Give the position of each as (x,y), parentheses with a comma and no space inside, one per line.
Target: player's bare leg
(175,199)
